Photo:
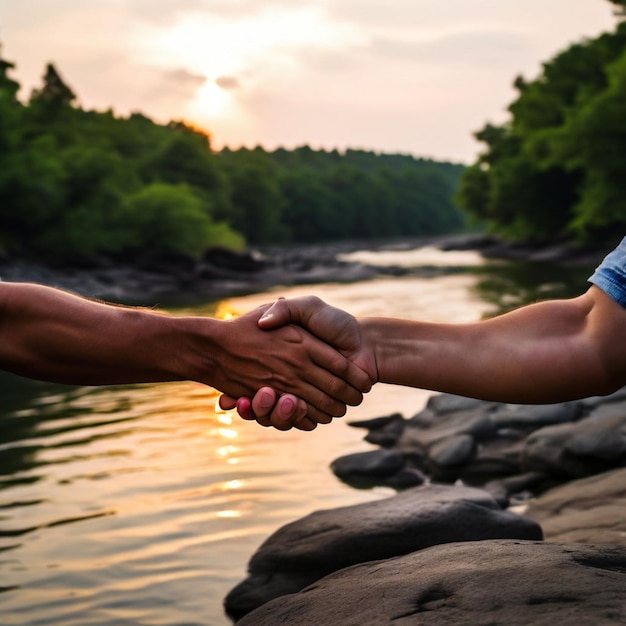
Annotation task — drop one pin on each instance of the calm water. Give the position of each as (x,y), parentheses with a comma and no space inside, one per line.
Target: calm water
(142,504)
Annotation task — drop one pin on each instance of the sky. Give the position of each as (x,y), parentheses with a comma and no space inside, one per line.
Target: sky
(398,76)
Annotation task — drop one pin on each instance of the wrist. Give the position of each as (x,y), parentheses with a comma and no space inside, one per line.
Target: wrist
(195,348)
(370,345)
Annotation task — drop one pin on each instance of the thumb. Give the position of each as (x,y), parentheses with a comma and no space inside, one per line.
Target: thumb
(277,315)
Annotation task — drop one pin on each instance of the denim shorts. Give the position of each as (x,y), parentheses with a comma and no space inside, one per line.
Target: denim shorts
(610,275)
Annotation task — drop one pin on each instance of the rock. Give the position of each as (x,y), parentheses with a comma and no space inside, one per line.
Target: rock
(325,541)
(486,582)
(383,431)
(589,510)
(474,422)
(499,456)
(523,416)
(449,403)
(376,467)
(592,445)
(376,423)
(452,451)
(520,488)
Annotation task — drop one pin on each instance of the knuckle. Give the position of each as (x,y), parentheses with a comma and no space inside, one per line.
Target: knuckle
(335,387)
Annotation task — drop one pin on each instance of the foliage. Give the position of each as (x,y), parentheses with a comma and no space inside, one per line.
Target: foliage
(556,169)
(76,185)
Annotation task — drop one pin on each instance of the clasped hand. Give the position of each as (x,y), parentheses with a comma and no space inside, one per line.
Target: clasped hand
(331,325)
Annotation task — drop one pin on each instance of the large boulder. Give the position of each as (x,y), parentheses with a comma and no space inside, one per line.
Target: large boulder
(589,510)
(326,541)
(486,582)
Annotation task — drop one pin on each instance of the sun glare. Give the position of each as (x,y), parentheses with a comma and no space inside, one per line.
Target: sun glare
(211,101)
(238,55)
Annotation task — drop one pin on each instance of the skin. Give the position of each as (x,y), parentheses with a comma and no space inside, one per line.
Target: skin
(547,352)
(52,335)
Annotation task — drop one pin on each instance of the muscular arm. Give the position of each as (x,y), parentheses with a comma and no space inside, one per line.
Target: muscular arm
(546,352)
(52,335)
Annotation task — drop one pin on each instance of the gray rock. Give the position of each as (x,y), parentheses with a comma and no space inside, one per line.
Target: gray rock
(589,510)
(590,446)
(326,541)
(499,456)
(376,467)
(383,431)
(453,451)
(511,583)
(520,488)
(475,423)
(535,416)
(449,403)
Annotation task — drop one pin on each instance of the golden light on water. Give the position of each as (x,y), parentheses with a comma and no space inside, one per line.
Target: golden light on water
(225,418)
(226,451)
(228,433)
(228,514)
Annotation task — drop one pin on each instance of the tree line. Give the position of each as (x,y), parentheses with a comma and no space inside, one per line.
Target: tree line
(557,168)
(76,184)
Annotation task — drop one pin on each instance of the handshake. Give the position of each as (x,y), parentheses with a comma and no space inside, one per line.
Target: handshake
(342,366)
(300,362)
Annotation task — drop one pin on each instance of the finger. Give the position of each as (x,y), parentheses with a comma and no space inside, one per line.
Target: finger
(287,410)
(334,375)
(305,423)
(227,403)
(244,408)
(264,401)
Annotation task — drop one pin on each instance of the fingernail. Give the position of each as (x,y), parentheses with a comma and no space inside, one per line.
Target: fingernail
(266,316)
(266,400)
(288,406)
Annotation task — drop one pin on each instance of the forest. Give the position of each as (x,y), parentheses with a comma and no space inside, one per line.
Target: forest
(557,168)
(77,185)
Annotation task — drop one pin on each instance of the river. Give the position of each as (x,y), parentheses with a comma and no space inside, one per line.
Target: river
(142,504)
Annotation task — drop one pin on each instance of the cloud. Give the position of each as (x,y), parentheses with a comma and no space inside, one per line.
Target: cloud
(227,82)
(461,48)
(184,78)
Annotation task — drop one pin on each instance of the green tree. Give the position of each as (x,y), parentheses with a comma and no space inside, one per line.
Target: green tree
(256,198)
(552,170)
(54,93)
(170,218)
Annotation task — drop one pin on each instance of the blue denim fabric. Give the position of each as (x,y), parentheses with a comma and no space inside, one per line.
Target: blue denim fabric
(610,275)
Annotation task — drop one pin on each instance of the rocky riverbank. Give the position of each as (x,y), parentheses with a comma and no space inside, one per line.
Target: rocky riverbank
(153,279)
(442,552)
(177,279)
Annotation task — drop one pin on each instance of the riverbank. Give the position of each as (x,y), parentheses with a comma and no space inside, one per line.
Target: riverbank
(561,465)
(151,280)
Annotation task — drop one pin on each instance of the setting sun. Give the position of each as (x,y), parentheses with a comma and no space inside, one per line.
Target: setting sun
(229,61)
(211,101)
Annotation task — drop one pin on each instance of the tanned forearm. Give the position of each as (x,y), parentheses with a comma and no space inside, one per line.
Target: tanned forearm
(52,335)
(547,352)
